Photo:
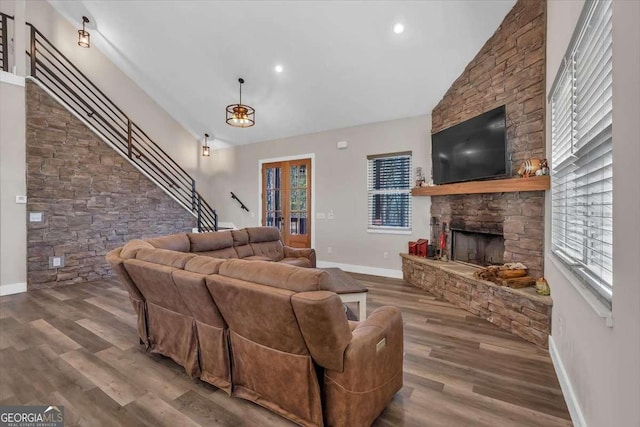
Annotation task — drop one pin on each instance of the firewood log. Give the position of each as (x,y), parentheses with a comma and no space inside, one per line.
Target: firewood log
(518,282)
(512,274)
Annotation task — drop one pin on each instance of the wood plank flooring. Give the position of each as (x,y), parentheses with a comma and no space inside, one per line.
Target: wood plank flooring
(77,346)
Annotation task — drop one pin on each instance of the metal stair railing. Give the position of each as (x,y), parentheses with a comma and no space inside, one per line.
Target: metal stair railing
(53,70)
(4,41)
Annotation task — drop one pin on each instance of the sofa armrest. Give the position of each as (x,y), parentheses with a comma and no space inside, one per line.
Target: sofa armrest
(377,344)
(372,371)
(309,253)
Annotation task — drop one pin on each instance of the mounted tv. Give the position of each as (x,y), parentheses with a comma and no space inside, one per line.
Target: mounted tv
(472,150)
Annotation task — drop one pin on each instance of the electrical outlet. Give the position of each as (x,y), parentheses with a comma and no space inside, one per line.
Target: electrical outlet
(321,215)
(56,261)
(21,199)
(385,255)
(330,215)
(329,250)
(35,216)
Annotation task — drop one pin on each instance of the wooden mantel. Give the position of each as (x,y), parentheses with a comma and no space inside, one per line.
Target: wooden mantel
(534,183)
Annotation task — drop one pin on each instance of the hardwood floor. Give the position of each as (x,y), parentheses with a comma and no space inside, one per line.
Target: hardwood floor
(76,346)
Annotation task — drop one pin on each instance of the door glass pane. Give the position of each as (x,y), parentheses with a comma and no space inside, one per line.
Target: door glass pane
(302,176)
(302,223)
(302,198)
(293,176)
(294,225)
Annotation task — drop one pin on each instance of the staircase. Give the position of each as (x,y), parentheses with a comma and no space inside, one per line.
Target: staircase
(56,74)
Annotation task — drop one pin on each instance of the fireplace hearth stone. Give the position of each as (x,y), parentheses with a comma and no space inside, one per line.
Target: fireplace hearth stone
(519,311)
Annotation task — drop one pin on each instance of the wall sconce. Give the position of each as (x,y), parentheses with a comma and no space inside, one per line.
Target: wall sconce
(206,150)
(83,35)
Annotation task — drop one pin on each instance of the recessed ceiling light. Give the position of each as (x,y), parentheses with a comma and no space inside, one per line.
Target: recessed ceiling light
(279,68)
(398,28)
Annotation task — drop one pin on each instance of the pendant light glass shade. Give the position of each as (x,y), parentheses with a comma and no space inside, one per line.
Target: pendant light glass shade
(240,115)
(206,150)
(84,38)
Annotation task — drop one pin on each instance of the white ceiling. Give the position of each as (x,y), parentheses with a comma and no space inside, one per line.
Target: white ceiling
(343,65)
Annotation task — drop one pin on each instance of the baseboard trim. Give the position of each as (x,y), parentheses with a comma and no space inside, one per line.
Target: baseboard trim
(13,288)
(362,269)
(565,384)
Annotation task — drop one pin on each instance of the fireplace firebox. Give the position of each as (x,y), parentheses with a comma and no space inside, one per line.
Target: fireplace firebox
(478,248)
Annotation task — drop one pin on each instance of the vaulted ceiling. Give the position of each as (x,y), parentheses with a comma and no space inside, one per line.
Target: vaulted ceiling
(343,65)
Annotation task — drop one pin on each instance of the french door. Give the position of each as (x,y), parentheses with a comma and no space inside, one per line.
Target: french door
(286,200)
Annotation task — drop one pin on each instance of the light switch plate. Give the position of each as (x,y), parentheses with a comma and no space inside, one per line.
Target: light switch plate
(330,215)
(56,261)
(21,199)
(342,145)
(320,215)
(35,216)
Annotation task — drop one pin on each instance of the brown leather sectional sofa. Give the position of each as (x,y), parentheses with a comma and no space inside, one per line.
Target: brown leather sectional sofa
(265,331)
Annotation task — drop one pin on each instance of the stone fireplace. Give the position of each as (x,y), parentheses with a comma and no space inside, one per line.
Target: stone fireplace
(508,70)
(515,218)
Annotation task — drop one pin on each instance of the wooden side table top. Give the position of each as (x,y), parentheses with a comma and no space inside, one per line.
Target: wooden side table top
(343,282)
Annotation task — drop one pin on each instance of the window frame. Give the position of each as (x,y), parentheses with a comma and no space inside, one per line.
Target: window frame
(577,158)
(404,190)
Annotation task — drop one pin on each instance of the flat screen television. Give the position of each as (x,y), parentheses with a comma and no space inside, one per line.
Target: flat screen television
(472,150)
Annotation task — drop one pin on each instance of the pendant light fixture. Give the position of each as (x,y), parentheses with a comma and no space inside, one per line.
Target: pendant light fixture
(84,39)
(206,150)
(240,115)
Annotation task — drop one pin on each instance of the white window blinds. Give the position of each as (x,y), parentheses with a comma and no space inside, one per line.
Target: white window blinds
(581,123)
(389,191)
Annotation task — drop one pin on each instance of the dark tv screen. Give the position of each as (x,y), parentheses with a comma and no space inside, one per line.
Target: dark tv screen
(472,150)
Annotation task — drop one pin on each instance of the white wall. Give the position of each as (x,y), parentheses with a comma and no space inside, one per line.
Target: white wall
(340,185)
(602,363)
(13,226)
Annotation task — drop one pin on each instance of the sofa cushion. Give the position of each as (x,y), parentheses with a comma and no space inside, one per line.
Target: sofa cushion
(257,258)
(131,248)
(241,243)
(324,325)
(205,242)
(173,242)
(277,275)
(225,253)
(273,250)
(300,262)
(164,257)
(263,234)
(203,265)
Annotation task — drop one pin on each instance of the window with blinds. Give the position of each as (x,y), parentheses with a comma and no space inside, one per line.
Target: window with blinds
(581,181)
(389,192)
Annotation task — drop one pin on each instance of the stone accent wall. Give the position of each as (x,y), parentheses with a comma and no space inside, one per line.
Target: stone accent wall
(521,312)
(93,200)
(519,217)
(509,70)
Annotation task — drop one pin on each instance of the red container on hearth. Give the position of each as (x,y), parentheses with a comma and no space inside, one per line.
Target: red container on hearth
(422,245)
(413,248)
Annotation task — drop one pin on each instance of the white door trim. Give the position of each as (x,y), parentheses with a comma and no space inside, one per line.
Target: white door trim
(311,156)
